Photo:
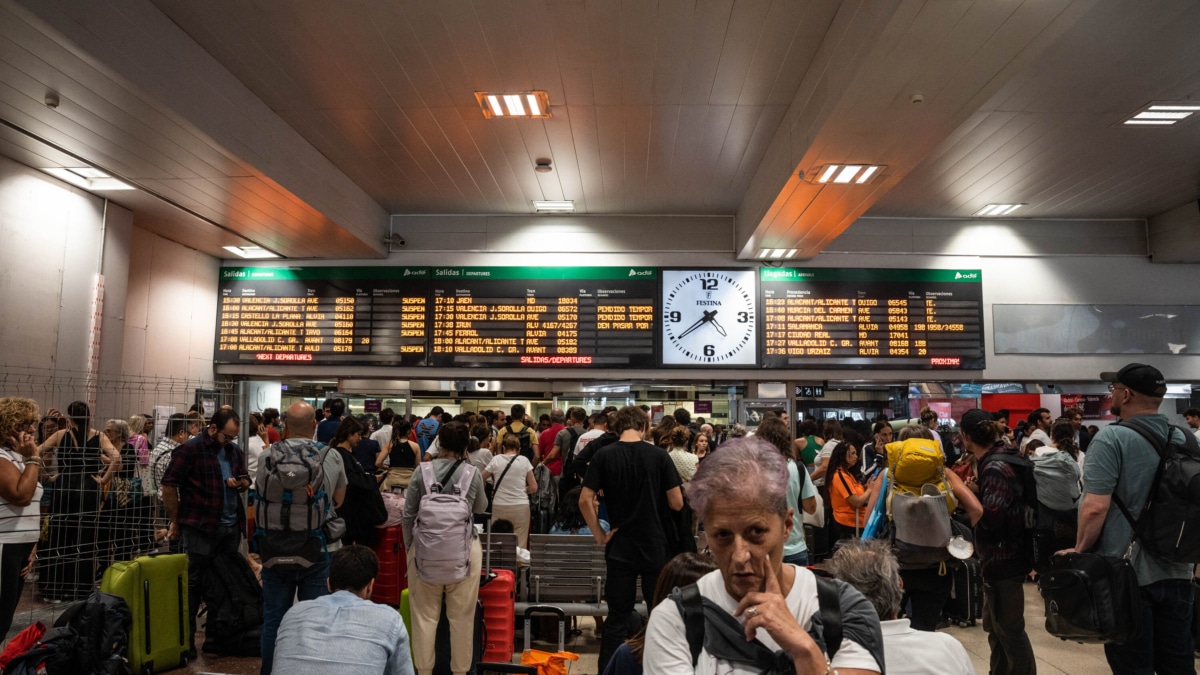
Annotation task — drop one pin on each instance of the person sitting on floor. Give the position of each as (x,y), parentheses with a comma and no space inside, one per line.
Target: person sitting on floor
(344,633)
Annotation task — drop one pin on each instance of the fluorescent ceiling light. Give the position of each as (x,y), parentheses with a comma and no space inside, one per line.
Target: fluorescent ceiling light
(792,253)
(764,253)
(1157,115)
(777,253)
(993,210)
(551,206)
(1162,114)
(866,175)
(522,104)
(250,252)
(89,178)
(846,173)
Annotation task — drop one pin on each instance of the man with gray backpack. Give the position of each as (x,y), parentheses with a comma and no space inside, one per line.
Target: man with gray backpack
(444,554)
(299,483)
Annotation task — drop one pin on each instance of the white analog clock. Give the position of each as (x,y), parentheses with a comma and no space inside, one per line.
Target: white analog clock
(709,317)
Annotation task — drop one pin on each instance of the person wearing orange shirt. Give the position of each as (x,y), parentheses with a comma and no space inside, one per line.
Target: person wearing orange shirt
(847,493)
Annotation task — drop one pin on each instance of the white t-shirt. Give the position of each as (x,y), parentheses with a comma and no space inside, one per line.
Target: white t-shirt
(914,652)
(1037,434)
(511,492)
(383,436)
(1197,433)
(20,524)
(666,651)
(587,437)
(822,457)
(254,448)
(480,458)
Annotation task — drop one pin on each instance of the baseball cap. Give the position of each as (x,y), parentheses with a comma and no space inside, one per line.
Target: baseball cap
(1144,379)
(972,419)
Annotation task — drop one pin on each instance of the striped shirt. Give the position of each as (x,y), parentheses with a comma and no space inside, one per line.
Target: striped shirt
(20,524)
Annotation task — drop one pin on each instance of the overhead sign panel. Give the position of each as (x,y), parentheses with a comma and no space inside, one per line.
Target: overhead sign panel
(872,318)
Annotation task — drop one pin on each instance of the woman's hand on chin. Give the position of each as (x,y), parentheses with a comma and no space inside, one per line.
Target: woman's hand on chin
(768,610)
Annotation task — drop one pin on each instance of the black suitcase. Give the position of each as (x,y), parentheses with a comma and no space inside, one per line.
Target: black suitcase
(441,641)
(965,605)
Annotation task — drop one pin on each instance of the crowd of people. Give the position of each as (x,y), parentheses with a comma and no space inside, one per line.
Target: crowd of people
(804,530)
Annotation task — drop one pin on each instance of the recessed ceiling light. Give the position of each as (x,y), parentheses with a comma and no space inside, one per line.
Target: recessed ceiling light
(792,253)
(993,210)
(88,178)
(250,252)
(1162,114)
(553,206)
(846,173)
(777,252)
(523,104)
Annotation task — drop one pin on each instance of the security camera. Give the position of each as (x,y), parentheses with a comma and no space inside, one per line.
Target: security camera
(394,241)
(51,100)
(480,385)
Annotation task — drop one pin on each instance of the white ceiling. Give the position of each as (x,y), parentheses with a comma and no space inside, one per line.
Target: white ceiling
(300,124)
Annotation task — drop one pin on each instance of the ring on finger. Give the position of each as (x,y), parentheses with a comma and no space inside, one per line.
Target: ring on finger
(752,611)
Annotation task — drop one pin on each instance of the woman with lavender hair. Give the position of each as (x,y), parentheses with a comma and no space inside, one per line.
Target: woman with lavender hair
(759,614)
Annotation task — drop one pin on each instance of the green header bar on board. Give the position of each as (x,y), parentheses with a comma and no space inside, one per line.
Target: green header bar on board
(467,273)
(861,275)
(302,273)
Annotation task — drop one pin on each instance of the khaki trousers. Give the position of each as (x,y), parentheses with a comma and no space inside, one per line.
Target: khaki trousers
(518,516)
(425,606)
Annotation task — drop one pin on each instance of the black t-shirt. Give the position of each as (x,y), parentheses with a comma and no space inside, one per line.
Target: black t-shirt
(635,478)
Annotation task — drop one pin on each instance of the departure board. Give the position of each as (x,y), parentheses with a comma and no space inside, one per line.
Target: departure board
(543,316)
(872,318)
(330,315)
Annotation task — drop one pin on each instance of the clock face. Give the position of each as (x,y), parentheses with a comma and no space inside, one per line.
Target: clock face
(709,317)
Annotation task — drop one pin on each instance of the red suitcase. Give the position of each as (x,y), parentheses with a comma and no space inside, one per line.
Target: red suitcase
(393,566)
(496,592)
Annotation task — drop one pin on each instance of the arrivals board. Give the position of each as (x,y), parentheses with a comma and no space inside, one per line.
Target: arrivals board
(543,316)
(323,315)
(872,318)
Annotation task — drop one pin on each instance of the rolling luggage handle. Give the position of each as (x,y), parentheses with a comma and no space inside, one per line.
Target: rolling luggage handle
(546,609)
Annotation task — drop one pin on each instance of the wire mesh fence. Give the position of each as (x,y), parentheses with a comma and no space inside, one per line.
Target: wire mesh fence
(97,504)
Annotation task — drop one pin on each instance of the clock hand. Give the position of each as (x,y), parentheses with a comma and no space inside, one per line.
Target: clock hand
(719,327)
(694,326)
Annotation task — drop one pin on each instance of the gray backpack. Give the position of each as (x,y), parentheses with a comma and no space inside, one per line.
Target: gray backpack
(444,527)
(291,507)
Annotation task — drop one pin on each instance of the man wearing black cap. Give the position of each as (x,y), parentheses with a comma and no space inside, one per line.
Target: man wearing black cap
(1121,464)
(1002,541)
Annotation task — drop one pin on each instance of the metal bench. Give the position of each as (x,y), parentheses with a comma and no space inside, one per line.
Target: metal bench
(567,571)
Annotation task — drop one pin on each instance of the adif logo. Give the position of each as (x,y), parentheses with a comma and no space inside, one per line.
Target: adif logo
(643,273)
(969,275)
(407,271)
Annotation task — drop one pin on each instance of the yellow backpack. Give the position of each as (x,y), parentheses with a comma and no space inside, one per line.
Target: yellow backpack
(913,464)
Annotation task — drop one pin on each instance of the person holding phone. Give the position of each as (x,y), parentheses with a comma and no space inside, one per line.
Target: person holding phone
(200,493)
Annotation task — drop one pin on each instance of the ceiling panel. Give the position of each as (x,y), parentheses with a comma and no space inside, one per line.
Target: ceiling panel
(1051,137)
(417,64)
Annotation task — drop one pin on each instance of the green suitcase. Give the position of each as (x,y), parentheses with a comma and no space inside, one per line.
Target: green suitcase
(405,612)
(156,589)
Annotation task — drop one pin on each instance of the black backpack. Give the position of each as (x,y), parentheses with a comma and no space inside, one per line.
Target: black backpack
(567,454)
(57,653)
(234,602)
(101,625)
(525,436)
(1169,525)
(363,508)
